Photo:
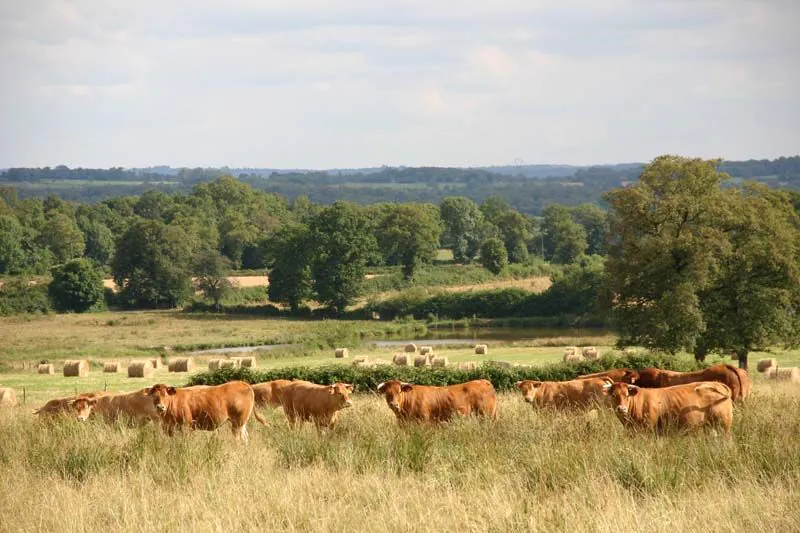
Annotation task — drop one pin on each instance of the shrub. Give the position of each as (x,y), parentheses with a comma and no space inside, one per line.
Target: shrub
(76,286)
(21,295)
(494,257)
(503,379)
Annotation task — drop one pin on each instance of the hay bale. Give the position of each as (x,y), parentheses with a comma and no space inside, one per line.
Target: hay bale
(8,398)
(141,369)
(76,368)
(590,352)
(214,364)
(360,360)
(481,349)
(230,363)
(765,364)
(400,359)
(111,367)
(181,364)
(156,362)
(469,365)
(410,348)
(421,360)
(342,353)
(570,357)
(46,368)
(789,373)
(380,362)
(425,350)
(247,362)
(440,361)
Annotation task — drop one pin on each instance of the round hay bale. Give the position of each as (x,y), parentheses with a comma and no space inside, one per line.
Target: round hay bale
(783,374)
(230,363)
(141,369)
(360,360)
(400,359)
(380,362)
(341,353)
(410,348)
(481,349)
(439,361)
(590,352)
(8,398)
(156,362)
(214,364)
(570,357)
(181,364)
(76,368)
(765,364)
(46,368)
(111,367)
(421,360)
(469,365)
(247,362)
(425,350)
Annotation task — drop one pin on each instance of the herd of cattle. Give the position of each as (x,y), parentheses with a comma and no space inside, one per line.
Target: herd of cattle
(649,398)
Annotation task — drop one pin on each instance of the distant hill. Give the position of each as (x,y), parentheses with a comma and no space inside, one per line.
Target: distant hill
(528,188)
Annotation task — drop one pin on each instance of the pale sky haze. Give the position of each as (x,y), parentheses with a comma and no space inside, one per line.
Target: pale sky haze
(320,84)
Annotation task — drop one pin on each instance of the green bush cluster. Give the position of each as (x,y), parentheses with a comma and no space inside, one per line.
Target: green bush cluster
(21,295)
(502,378)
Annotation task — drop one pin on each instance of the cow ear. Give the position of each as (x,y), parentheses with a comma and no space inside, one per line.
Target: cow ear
(536,384)
(171,391)
(405,387)
(607,387)
(633,390)
(332,389)
(381,388)
(92,401)
(518,384)
(150,391)
(350,387)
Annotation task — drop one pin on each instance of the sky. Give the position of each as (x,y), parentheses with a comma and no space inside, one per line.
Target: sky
(356,83)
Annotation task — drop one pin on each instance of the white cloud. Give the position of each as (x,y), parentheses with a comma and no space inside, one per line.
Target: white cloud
(313,83)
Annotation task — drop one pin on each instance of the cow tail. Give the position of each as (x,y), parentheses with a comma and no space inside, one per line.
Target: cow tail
(261,419)
(738,378)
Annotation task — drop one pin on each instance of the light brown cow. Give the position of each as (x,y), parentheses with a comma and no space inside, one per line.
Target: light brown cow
(688,406)
(304,401)
(134,407)
(623,375)
(64,406)
(726,374)
(206,408)
(269,393)
(577,393)
(422,403)
(747,383)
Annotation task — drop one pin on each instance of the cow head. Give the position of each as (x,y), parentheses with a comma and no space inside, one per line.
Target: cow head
(619,394)
(160,394)
(340,393)
(393,390)
(529,389)
(630,376)
(82,406)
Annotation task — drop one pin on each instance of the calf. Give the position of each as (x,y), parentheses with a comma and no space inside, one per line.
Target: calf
(578,393)
(423,403)
(319,404)
(206,408)
(65,406)
(687,406)
(725,374)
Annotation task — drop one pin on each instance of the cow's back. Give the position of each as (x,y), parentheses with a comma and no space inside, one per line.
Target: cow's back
(305,398)
(430,404)
(474,397)
(135,406)
(211,406)
(573,393)
(269,393)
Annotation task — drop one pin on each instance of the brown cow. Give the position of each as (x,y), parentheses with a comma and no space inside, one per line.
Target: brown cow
(269,393)
(319,404)
(726,374)
(747,383)
(423,403)
(63,406)
(687,406)
(622,375)
(135,407)
(577,393)
(206,408)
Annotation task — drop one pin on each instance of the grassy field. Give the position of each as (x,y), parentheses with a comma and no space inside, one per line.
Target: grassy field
(528,471)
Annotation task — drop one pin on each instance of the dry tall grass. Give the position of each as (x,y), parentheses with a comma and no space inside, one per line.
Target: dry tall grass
(529,471)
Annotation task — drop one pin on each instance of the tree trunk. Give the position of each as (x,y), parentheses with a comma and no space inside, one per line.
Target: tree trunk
(742,356)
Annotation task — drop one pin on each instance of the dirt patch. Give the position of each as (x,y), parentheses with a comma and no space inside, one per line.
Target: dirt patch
(534,284)
(238,281)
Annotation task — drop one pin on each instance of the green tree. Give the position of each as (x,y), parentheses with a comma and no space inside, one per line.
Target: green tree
(409,235)
(12,253)
(211,276)
(595,223)
(493,255)
(99,241)
(700,267)
(76,286)
(151,265)
(461,218)
(343,240)
(62,236)
(515,230)
(288,254)
(564,239)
